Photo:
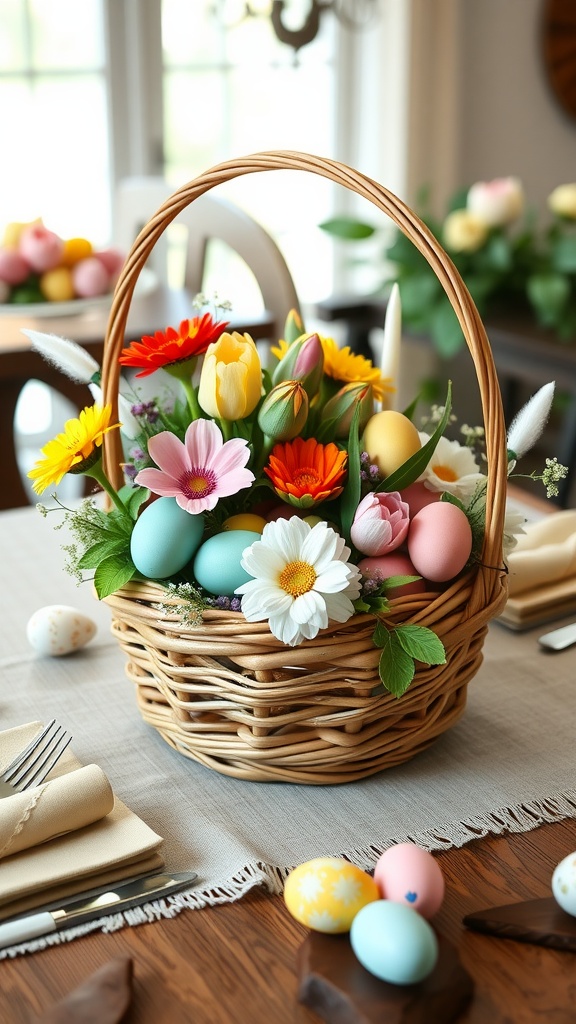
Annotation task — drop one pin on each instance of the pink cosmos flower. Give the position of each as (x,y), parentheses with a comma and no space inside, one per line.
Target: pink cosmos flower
(198,471)
(380,524)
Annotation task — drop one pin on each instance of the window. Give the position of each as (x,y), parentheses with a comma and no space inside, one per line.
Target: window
(53,116)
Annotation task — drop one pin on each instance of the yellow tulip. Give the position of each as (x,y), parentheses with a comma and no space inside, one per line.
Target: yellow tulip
(231,377)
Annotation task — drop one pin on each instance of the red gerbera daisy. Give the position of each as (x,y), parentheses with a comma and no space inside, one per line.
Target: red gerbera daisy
(164,348)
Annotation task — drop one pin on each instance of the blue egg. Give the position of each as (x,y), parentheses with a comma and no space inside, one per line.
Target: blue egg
(217,563)
(164,538)
(394,942)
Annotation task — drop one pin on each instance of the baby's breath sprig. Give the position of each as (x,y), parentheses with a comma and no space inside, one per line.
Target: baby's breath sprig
(185,601)
(550,476)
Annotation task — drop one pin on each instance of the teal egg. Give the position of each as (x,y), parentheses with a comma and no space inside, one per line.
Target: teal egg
(394,942)
(164,538)
(217,563)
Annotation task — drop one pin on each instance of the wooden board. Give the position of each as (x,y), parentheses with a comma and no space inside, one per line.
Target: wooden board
(334,984)
(541,922)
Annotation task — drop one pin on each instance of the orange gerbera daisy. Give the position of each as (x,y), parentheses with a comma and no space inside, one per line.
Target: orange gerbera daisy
(304,473)
(165,348)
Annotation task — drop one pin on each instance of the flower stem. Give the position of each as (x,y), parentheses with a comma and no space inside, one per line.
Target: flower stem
(98,474)
(195,410)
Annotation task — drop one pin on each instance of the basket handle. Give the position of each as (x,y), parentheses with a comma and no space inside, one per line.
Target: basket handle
(425,242)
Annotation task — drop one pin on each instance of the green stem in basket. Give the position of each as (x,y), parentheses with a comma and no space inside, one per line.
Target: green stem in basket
(97,473)
(190,391)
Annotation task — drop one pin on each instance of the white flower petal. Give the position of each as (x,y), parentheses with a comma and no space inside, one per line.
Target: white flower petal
(309,607)
(339,607)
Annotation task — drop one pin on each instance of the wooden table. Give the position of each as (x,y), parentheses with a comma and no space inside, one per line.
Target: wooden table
(237,962)
(19,363)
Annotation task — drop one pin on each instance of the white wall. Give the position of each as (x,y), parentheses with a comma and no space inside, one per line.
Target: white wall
(510,120)
(481,106)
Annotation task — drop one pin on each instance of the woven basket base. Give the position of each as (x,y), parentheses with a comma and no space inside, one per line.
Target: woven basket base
(230,696)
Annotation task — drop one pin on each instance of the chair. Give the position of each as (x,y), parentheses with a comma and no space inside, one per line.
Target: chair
(207,220)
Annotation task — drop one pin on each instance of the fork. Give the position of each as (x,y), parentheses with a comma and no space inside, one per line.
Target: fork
(32,765)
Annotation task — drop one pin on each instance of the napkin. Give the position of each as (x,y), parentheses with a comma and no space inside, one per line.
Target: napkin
(69,835)
(542,572)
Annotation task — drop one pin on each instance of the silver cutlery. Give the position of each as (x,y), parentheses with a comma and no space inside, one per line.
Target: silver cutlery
(560,638)
(81,909)
(33,764)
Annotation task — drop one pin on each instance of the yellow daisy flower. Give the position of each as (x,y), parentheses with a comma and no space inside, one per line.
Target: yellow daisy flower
(75,450)
(348,367)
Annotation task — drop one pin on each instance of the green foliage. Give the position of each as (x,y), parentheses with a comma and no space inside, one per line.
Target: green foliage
(521,268)
(402,647)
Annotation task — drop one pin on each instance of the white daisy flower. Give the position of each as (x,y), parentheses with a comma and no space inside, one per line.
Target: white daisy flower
(514,523)
(452,468)
(302,580)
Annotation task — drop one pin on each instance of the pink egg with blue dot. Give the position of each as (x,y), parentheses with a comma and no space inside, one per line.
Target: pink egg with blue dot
(408,874)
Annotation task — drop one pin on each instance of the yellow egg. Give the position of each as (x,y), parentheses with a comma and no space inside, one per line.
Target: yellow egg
(13,230)
(390,439)
(325,894)
(245,521)
(76,249)
(56,285)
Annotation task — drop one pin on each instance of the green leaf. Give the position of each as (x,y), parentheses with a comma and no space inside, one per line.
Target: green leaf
(418,293)
(445,329)
(410,470)
(352,490)
(99,551)
(564,254)
(347,228)
(549,294)
(391,582)
(396,668)
(112,574)
(422,644)
(497,254)
(135,499)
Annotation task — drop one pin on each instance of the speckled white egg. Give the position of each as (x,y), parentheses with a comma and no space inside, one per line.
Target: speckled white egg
(564,884)
(59,629)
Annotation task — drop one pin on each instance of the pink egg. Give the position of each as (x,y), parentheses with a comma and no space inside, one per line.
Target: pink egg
(408,874)
(90,278)
(111,259)
(417,496)
(13,267)
(393,564)
(439,541)
(41,248)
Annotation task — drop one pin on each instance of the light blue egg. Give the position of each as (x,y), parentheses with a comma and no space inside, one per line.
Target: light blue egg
(394,942)
(217,563)
(164,538)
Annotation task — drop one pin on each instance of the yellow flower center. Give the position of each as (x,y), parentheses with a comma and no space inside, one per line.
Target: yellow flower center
(445,473)
(306,478)
(198,483)
(297,578)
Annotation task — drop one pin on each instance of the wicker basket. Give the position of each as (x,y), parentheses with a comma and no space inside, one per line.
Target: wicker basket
(230,695)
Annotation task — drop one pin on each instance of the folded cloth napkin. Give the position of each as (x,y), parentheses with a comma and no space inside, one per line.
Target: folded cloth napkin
(61,805)
(542,572)
(67,836)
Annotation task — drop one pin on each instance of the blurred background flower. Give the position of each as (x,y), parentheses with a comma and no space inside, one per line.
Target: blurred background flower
(508,263)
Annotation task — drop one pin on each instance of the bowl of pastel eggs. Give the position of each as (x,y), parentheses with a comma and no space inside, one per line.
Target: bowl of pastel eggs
(387,916)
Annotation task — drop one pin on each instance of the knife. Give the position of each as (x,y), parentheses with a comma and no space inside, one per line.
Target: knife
(79,911)
(558,639)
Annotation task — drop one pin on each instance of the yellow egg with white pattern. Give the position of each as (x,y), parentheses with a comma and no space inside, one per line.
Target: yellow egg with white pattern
(326,893)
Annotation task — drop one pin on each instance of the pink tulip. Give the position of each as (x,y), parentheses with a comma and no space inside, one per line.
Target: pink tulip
(380,524)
